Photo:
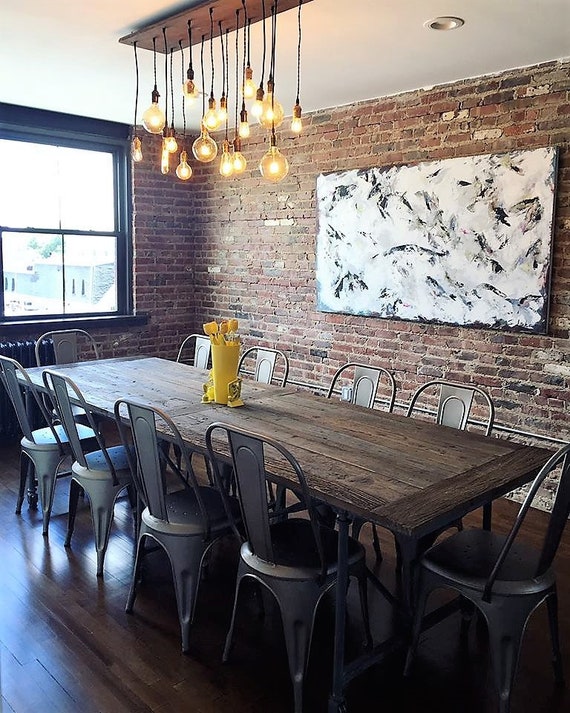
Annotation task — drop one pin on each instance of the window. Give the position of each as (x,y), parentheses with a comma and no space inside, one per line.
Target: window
(65,216)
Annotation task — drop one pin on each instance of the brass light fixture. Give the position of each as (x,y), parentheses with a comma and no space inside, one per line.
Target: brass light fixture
(204,148)
(198,20)
(136,146)
(154,118)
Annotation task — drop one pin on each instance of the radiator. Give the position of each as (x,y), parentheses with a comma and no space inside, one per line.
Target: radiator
(24,352)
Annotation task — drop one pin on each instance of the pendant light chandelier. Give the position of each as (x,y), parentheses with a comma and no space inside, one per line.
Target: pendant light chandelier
(248,99)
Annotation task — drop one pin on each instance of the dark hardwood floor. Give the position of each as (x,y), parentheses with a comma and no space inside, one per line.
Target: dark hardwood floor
(67,645)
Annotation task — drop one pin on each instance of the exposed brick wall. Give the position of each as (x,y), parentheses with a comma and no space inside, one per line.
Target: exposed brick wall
(254,251)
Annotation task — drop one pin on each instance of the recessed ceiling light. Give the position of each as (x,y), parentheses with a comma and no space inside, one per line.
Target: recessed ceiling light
(444,23)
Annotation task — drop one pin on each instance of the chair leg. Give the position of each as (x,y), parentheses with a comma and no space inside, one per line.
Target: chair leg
(26,466)
(185,556)
(230,634)
(376,543)
(363,593)
(46,471)
(297,605)
(506,628)
(102,495)
(552,604)
(137,567)
(487,516)
(74,491)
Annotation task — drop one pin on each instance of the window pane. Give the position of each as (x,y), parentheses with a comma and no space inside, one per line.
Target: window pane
(90,274)
(86,190)
(28,185)
(33,274)
(56,187)
(45,274)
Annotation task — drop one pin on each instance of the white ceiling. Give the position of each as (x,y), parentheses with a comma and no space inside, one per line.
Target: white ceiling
(64,55)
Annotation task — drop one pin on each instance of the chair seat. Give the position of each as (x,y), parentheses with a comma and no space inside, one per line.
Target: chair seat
(469,556)
(99,470)
(184,516)
(294,547)
(44,438)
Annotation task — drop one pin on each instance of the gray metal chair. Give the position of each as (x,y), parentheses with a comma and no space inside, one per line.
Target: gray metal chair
(453,407)
(504,578)
(44,448)
(185,522)
(267,360)
(364,386)
(103,474)
(294,558)
(67,345)
(201,353)
(362,391)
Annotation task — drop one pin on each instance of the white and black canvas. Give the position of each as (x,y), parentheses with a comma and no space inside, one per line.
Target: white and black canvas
(464,241)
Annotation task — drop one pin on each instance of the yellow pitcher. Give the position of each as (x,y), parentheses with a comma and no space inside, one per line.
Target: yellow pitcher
(225,358)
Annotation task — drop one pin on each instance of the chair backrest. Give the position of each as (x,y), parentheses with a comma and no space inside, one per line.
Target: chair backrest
(202,350)
(151,457)
(248,453)
(62,390)
(67,344)
(266,361)
(19,386)
(365,382)
(454,402)
(559,462)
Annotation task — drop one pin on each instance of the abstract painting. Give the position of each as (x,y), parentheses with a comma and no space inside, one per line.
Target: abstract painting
(462,241)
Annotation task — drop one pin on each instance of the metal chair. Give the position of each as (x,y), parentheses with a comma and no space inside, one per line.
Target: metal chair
(454,403)
(186,522)
(504,578)
(266,361)
(44,448)
(295,558)
(363,390)
(103,474)
(67,345)
(201,355)
(365,382)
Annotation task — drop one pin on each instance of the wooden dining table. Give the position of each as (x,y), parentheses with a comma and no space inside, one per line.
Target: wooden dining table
(404,474)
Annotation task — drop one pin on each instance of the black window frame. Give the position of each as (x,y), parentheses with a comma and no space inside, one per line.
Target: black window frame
(53,128)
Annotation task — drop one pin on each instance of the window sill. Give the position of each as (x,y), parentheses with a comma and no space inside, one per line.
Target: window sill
(95,322)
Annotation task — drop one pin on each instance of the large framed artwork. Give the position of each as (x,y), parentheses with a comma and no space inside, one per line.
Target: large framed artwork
(462,241)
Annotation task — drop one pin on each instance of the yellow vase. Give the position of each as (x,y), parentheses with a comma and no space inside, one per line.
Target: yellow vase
(225,358)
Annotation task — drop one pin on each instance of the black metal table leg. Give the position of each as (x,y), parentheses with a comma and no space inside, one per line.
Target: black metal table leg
(337,702)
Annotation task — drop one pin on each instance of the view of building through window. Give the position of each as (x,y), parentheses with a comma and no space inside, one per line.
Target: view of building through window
(59,230)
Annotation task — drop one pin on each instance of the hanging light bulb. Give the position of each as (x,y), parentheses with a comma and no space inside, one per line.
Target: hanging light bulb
(211,119)
(223,110)
(257,106)
(238,159)
(170,142)
(296,122)
(184,170)
(226,162)
(136,146)
(244,130)
(136,150)
(274,166)
(154,118)
(164,158)
(189,88)
(249,86)
(204,148)
(272,113)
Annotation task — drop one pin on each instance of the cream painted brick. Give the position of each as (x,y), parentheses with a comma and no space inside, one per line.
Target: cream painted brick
(214,269)
(271,222)
(487,134)
(558,369)
(448,115)
(537,91)
(551,355)
(286,221)
(463,114)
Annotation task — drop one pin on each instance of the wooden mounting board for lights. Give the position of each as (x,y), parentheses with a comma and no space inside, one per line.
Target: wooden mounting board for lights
(198,12)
